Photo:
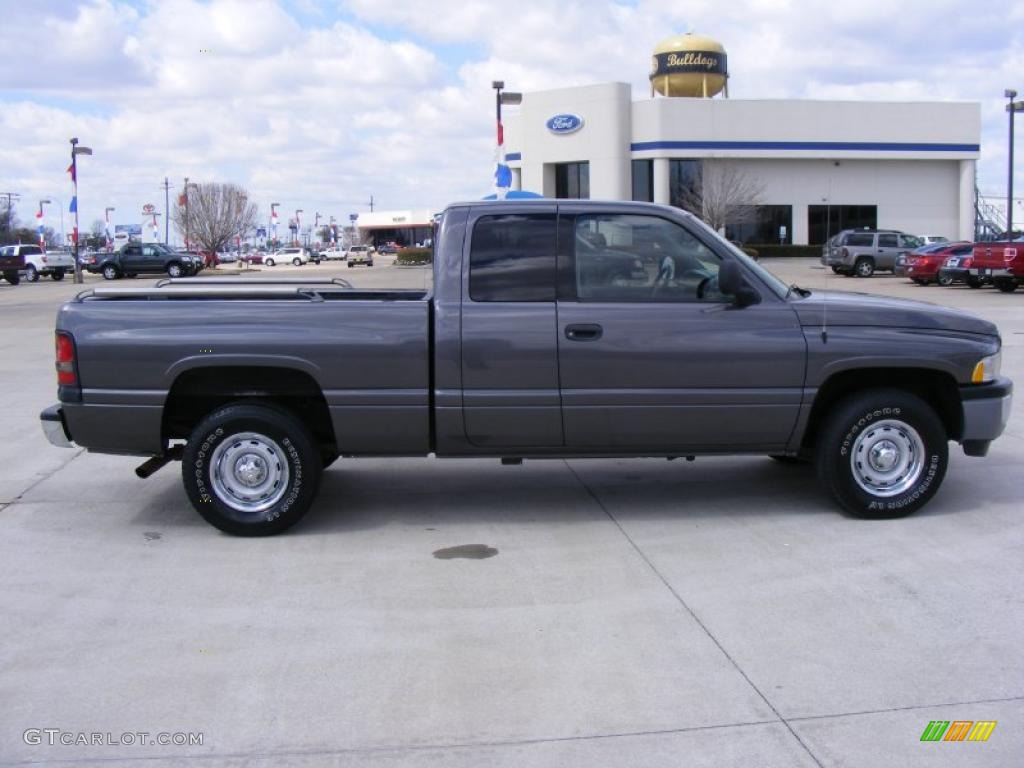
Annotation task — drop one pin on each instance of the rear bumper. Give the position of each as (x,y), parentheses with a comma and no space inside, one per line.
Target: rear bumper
(56,431)
(986,409)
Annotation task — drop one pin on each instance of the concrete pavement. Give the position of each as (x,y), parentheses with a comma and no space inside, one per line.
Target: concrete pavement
(638,612)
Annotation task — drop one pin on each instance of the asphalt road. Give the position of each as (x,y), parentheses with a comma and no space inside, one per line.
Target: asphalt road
(641,612)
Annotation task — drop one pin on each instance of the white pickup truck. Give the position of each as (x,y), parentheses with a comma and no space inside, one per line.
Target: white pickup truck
(32,261)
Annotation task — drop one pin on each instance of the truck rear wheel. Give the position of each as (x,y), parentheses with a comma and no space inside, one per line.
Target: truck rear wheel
(251,470)
(12,277)
(882,453)
(57,275)
(1006,286)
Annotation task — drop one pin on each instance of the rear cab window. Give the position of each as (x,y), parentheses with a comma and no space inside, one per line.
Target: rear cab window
(512,258)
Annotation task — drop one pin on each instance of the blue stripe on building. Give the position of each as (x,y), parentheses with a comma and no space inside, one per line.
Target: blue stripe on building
(802,146)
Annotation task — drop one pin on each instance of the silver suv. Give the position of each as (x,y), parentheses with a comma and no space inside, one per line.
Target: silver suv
(862,251)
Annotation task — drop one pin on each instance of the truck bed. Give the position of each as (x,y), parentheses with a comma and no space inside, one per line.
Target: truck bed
(367,352)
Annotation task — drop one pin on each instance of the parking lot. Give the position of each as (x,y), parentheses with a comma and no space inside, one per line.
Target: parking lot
(619,612)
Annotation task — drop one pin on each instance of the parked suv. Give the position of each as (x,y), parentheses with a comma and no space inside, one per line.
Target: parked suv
(862,251)
(296,256)
(360,254)
(141,258)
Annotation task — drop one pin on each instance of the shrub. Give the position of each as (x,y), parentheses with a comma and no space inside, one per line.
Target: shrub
(414,257)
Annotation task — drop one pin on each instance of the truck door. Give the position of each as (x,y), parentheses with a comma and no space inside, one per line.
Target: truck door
(131,258)
(509,353)
(652,357)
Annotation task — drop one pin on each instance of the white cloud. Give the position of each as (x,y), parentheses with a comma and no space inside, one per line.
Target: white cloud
(393,98)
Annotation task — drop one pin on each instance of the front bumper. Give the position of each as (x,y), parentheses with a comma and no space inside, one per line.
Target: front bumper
(986,409)
(56,431)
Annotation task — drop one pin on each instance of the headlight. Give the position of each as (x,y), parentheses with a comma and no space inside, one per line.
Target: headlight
(987,369)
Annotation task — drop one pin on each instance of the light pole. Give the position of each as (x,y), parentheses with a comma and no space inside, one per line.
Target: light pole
(273,221)
(75,152)
(1012,107)
(106,219)
(42,239)
(316,224)
(334,233)
(298,225)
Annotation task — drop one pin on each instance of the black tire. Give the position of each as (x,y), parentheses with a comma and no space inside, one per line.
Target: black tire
(944,280)
(174,270)
(275,443)
(12,277)
(882,419)
(837,270)
(369,263)
(111,272)
(864,267)
(1006,286)
(920,280)
(31,273)
(57,275)
(974,282)
(296,262)
(350,265)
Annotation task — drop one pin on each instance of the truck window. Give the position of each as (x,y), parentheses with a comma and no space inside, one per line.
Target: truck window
(887,241)
(512,258)
(627,258)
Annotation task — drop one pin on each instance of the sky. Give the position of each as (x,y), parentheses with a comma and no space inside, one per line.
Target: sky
(319,104)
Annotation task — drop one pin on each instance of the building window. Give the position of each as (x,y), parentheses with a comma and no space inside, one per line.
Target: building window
(643,181)
(761,224)
(572,180)
(684,184)
(512,258)
(824,221)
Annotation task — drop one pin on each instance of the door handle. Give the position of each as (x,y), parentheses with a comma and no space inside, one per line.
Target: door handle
(584,332)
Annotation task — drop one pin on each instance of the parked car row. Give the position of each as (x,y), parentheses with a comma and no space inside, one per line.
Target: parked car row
(977,264)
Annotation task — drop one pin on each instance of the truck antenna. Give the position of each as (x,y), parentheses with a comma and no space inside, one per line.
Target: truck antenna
(828,258)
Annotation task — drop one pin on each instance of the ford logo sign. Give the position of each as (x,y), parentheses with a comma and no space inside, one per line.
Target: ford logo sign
(565,123)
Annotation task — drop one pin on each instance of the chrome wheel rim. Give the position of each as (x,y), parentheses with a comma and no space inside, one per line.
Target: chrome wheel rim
(887,458)
(249,472)
(864,269)
(174,270)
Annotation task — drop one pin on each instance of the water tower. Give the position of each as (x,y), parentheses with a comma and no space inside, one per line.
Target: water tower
(689,65)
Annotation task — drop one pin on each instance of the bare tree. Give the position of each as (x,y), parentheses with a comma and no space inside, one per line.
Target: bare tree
(216,215)
(722,194)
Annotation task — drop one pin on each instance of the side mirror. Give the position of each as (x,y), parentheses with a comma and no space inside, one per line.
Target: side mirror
(732,282)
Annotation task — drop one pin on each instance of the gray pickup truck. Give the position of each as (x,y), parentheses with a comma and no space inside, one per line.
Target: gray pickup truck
(553,329)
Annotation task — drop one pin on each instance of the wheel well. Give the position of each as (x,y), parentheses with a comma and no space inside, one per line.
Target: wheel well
(937,388)
(197,392)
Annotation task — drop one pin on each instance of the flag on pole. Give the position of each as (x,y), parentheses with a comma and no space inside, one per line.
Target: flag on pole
(39,224)
(73,208)
(502,173)
(71,170)
(74,235)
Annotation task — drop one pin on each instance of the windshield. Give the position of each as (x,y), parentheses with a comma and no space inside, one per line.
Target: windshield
(776,285)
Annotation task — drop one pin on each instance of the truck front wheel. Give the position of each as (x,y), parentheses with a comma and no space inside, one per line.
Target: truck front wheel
(882,453)
(251,470)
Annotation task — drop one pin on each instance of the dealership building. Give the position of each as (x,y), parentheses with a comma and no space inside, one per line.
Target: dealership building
(795,169)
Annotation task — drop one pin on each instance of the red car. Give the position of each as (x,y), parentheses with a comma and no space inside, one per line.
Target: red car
(923,264)
(1001,262)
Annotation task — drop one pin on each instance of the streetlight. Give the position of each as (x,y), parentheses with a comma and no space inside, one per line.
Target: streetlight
(42,240)
(106,218)
(1012,107)
(298,225)
(273,221)
(75,152)
(503,174)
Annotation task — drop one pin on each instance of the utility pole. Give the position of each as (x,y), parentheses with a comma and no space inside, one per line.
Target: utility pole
(371,203)
(10,196)
(167,211)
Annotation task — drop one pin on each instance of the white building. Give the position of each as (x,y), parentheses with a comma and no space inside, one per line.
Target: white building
(821,165)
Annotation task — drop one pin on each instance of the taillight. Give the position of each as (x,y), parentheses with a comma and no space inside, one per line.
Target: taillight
(843,253)
(67,375)
(968,262)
